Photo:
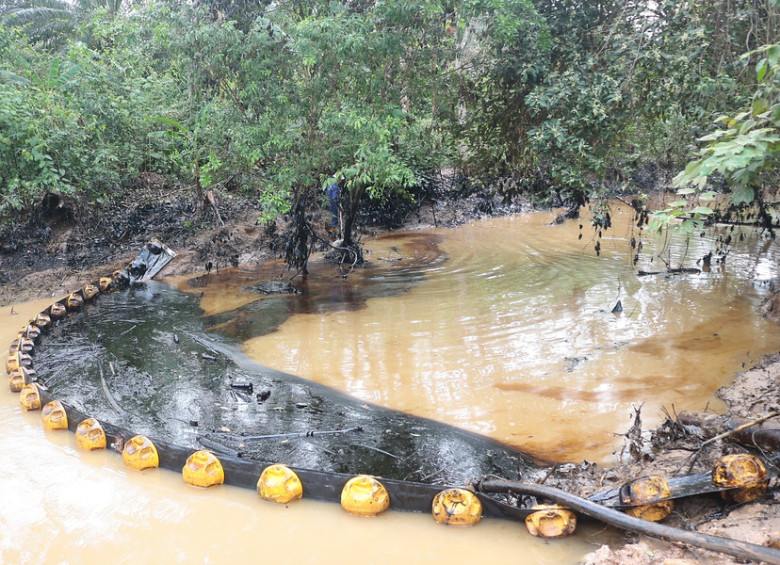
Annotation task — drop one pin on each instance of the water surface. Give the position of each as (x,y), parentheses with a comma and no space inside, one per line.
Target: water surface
(505,327)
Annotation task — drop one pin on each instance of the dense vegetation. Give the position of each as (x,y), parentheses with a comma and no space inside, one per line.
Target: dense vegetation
(556,99)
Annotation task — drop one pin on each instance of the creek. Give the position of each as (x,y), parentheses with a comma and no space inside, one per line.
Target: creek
(503,327)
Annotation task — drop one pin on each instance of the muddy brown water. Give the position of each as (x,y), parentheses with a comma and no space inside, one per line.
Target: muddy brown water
(503,327)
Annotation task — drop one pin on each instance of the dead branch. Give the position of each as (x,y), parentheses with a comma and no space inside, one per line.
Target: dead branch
(740,428)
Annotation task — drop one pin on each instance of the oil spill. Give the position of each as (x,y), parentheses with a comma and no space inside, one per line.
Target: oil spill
(147,350)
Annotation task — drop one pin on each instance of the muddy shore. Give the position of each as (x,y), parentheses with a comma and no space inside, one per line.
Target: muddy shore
(61,248)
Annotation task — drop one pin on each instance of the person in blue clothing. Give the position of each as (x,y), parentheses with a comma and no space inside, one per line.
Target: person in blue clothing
(332,192)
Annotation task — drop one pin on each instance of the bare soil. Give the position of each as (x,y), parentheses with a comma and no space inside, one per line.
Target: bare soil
(60,247)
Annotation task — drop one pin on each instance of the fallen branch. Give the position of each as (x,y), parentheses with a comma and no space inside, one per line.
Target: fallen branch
(677,271)
(735,548)
(741,428)
(762,439)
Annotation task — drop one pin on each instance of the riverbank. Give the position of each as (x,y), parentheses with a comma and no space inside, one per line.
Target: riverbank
(74,253)
(60,245)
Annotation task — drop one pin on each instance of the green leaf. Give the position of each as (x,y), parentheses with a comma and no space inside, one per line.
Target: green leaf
(702,210)
(678,204)
(760,105)
(170,122)
(742,195)
(773,54)
(761,69)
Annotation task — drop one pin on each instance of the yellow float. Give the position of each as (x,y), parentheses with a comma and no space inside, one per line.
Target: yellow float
(364,496)
(30,397)
(90,435)
(90,291)
(21,344)
(278,483)
(551,521)
(74,301)
(203,469)
(20,377)
(456,507)
(743,473)
(648,498)
(54,416)
(18,360)
(57,310)
(140,454)
(42,320)
(120,277)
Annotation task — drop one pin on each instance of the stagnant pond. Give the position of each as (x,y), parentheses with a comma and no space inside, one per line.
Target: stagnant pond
(503,327)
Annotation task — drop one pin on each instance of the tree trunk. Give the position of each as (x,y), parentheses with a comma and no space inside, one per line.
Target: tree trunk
(350,206)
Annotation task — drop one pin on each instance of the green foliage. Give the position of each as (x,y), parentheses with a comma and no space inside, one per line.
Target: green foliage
(745,150)
(40,141)
(528,96)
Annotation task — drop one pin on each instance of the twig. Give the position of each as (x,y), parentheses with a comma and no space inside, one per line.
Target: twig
(695,456)
(107,393)
(292,434)
(549,474)
(210,198)
(380,451)
(740,428)
(127,331)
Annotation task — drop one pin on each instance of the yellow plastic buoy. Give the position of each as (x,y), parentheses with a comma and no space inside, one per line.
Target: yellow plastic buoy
(203,469)
(551,521)
(649,498)
(120,277)
(364,496)
(90,291)
(30,397)
(18,360)
(743,473)
(23,344)
(140,454)
(105,284)
(90,435)
(31,331)
(278,483)
(57,310)
(42,320)
(19,377)
(74,301)
(54,416)
(456,507)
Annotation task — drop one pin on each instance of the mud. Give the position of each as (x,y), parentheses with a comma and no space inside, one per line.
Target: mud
(61,242)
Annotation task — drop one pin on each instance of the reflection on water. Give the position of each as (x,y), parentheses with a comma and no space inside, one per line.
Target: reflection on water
(505,327)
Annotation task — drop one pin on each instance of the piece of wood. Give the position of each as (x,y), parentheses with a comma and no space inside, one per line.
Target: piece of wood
(749,433)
